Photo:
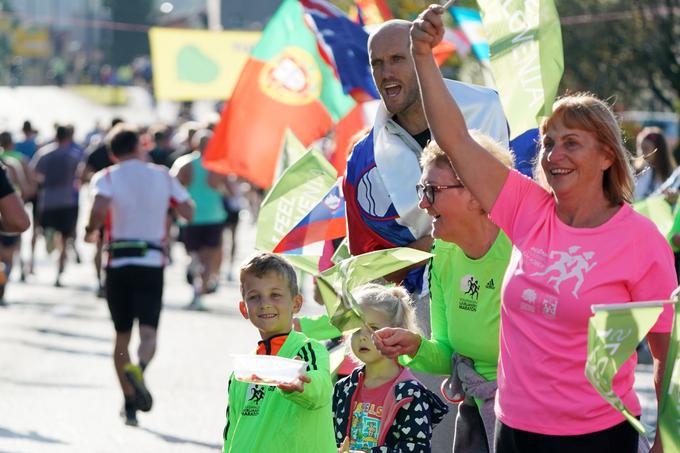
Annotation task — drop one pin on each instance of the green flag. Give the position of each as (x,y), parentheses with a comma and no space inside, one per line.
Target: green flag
(614,331)
(337,283)
(299,189)
(669,407)
(342,252)
(526,57)
(292,150)
(656,209)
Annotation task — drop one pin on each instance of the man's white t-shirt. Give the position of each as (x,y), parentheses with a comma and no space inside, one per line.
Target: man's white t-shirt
(140,194)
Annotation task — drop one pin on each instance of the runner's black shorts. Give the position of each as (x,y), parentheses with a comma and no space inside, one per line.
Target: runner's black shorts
(63,220)
(232,214)
(9,240)
(134,292)
(196,237)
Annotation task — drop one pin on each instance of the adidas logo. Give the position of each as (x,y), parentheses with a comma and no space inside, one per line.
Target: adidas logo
(490,284)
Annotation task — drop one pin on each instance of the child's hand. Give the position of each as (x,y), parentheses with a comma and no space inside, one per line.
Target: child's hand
(296,386)
(344,447)
(393,342)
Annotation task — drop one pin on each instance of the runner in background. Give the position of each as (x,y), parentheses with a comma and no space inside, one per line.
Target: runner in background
(57,166)
(136,194)
(28,146)
(202,236)
(233,202)
(98,158)
(21,178)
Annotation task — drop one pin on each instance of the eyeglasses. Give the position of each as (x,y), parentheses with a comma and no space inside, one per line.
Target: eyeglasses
(428,190)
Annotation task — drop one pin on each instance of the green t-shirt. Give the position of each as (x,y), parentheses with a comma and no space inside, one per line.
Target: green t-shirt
(464,308)
(265,419)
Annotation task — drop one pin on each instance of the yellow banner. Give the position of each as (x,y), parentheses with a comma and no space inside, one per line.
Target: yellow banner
(32,42)
(198,64)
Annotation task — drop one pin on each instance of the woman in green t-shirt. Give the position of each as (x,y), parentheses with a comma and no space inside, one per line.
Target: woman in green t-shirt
(466,273)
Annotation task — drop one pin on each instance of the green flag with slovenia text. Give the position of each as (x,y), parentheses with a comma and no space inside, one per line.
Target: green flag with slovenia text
(296,192)
(337,283)
(527,61)
(669,406)
(614,331)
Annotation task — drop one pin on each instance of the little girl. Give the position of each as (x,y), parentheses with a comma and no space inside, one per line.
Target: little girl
(381,406)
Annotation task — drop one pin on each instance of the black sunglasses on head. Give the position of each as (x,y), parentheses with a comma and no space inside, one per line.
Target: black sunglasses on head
(428,190)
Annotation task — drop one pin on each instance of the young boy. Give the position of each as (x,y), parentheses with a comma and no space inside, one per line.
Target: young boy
(293,417)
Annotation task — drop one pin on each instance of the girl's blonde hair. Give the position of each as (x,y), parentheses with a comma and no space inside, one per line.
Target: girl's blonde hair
(395,302)
(586,112)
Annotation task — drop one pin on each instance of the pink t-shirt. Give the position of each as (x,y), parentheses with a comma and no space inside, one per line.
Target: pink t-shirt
(555,274)
(367,416)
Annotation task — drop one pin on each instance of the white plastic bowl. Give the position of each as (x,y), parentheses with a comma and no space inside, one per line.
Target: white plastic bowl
(267,369)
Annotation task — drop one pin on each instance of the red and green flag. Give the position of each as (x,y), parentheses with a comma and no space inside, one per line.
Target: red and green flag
(285,84)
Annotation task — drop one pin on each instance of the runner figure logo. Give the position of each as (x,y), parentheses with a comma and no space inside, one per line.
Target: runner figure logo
(568,265)
(257,393)
(472,286)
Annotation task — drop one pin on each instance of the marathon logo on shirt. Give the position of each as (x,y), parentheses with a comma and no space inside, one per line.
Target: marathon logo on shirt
(559,269)
(469,286)
(255,394)
(562,266)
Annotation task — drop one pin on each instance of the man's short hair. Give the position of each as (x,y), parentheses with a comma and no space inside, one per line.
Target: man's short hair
(159,133)
(122,140)
(64,132)
(6,141)
(261,264)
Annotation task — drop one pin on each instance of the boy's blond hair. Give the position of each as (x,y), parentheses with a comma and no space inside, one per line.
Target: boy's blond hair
(433,154)
(264,262)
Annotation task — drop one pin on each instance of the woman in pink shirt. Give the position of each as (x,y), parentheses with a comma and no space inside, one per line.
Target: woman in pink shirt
(577,242)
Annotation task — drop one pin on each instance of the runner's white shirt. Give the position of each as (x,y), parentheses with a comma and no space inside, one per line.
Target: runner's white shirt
(140,194)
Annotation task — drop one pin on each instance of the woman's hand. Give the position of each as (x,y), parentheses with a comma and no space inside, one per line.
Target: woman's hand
(427,31)
(393,342)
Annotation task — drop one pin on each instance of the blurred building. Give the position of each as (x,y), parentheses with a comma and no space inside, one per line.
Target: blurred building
(247,14)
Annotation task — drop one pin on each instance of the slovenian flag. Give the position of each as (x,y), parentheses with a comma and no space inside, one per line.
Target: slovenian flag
(325,222)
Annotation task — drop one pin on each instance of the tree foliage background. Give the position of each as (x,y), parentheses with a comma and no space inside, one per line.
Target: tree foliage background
(626,48)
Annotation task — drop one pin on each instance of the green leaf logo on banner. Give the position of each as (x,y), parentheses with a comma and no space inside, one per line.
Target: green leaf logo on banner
(614,331)
(194,66)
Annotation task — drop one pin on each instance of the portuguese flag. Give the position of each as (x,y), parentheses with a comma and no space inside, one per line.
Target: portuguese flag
(285,84)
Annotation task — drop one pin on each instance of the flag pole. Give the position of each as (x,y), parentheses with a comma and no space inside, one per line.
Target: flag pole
(624,306)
